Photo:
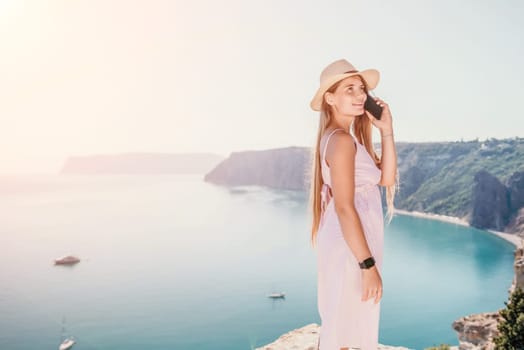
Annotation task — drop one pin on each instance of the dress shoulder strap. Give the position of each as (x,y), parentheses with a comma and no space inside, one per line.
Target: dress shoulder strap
(326,144)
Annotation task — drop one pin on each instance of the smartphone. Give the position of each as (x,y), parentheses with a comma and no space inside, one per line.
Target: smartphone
(372,107)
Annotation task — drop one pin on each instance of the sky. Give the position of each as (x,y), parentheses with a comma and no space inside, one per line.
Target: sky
(109,76)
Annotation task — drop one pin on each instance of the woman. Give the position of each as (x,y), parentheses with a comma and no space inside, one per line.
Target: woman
(348,224)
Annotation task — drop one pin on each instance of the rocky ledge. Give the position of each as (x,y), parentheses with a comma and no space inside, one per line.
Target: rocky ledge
(306,338)
(476,332)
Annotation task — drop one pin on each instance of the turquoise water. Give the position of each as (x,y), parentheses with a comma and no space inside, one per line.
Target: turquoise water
(170,261)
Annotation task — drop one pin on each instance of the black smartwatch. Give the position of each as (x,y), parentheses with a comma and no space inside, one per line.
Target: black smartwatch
(367,263)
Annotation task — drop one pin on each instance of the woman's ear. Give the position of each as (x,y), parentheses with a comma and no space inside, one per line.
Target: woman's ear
(328,96)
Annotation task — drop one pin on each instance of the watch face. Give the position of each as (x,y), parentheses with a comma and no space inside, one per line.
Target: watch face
(367,263)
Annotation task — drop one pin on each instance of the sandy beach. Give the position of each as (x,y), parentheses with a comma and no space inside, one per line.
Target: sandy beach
(512,238)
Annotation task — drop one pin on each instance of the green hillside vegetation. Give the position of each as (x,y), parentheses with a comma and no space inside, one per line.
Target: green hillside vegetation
(447,190)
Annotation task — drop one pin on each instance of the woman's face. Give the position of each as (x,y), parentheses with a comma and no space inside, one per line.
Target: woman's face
(349,97)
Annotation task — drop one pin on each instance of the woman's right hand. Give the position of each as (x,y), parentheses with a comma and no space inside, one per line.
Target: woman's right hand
(371,284)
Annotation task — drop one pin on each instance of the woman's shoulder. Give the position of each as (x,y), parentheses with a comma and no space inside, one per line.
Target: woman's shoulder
(340,146)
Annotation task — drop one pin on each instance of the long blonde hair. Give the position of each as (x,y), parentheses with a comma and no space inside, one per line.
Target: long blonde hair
(362,129)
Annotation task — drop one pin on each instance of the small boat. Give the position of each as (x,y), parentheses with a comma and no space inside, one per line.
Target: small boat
(67,260)
(277,295)
(66,344)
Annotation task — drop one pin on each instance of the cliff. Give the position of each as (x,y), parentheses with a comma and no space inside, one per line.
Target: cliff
(490,202)
(282,168)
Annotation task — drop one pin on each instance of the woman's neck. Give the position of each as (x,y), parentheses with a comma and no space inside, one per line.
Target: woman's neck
(345,124)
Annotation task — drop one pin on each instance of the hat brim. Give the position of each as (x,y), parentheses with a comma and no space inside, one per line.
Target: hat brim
(371,76)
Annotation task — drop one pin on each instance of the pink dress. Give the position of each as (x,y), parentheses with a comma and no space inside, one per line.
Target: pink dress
(346,321)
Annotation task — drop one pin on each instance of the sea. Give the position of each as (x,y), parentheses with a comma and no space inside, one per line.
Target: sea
(173,262)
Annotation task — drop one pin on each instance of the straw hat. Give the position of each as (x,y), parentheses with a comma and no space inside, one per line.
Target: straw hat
(336,71)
